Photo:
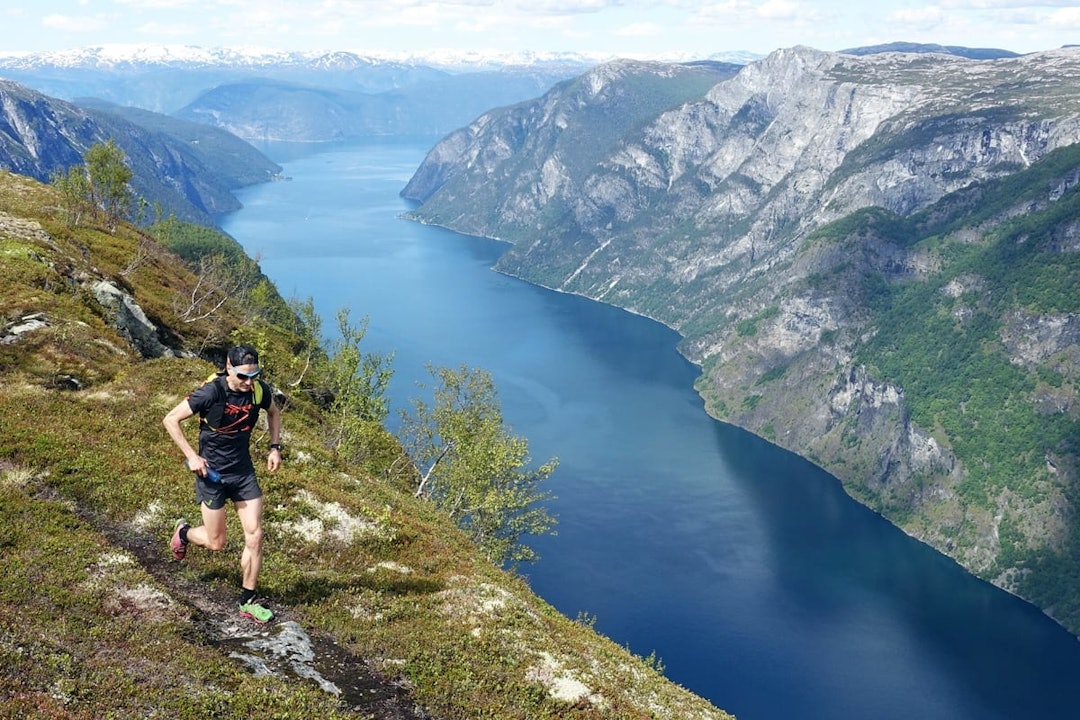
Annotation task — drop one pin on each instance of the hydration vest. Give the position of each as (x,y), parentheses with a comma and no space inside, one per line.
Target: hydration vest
(214,414)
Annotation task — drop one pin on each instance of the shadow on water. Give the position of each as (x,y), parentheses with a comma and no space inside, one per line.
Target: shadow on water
(626,348)
(836,555)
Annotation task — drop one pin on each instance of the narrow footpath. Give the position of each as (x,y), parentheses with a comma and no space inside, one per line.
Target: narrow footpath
(281,647)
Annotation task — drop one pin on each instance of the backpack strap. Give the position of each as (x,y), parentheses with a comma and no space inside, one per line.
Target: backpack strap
(214,414)
(258,392)
(211,418)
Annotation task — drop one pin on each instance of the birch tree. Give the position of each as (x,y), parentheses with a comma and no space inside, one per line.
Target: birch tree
(472,466)
(100,186)
(109,176)
(357,381)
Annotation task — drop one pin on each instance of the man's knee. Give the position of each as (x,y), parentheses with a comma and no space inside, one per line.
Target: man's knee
(215,541)
(254,538)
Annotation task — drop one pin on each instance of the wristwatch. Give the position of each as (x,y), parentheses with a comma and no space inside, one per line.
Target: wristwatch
(275,446)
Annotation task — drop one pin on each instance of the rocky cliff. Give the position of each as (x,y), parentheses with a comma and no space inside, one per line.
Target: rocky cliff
(190,169)
(873,259)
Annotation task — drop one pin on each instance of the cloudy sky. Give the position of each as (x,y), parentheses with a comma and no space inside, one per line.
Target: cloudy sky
(628,28)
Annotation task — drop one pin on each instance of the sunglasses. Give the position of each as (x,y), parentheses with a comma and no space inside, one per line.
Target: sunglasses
(246,376)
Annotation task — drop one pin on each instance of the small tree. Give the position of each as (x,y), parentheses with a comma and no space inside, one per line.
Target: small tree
(98,186)
(216,282)
(74,187)
(357,381)
(308,328)
(473,468)
(109,176)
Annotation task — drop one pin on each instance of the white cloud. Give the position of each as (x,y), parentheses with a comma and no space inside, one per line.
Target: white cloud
(566,7)
(752,14)
(159,4)
(175,30)
(1005,4)
(73,23)
(923,18)
(1068,18)
(784,10)
(633,28)
(641,29)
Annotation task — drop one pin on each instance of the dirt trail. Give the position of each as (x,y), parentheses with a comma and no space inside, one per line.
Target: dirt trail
(281,647)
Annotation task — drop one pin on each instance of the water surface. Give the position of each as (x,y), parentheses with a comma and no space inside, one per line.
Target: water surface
(757,582)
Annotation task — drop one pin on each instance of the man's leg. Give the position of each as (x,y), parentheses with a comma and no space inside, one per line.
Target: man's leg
(211,534)
(250,514)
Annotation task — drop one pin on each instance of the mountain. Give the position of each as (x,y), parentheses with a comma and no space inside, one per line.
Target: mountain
(267,110)
(873,258)
(300,96)
(190,169)
(957,50)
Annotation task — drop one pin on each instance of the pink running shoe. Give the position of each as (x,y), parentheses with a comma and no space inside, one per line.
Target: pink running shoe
(178,546)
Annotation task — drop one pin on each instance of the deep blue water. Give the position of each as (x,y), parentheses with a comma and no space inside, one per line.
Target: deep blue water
(757,582)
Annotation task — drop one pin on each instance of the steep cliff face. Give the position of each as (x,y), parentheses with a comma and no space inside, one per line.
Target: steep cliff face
(30,145)
(538,156)
(722,187)
(870,257)
(190,170)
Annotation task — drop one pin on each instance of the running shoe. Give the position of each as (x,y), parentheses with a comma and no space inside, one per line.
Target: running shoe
(256,612)
(178,546)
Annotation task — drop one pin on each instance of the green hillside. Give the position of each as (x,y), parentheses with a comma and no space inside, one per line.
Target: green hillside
(407,617)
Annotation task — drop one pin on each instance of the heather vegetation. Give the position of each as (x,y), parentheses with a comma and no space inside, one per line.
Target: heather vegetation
(97,620)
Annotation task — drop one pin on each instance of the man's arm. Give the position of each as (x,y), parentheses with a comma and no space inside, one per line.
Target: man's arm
(172,421)
(273,420)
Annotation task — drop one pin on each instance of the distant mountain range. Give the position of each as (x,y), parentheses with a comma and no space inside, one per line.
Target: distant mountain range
(957,50)
(118,57)
(296,96)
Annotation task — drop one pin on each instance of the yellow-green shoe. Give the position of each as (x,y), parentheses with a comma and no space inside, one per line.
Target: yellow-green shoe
(256,612)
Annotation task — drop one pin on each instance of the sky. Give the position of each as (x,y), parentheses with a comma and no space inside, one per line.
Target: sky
(643,29)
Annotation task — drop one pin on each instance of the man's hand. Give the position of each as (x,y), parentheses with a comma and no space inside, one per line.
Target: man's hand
(197,465)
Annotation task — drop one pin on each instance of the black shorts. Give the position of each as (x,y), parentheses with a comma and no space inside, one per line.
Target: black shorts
(239,487)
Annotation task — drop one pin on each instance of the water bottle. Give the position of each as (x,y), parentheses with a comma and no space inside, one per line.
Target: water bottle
(211,474)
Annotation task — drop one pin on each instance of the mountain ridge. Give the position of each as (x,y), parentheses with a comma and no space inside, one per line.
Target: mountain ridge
(189,170)
(130,55)
(769,220)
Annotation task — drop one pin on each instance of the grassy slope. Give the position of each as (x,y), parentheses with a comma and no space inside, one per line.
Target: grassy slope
(95,618)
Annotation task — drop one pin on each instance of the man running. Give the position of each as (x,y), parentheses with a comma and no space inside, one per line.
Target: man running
(228,407)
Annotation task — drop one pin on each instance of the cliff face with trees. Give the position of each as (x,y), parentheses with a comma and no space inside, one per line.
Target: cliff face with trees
(873,259)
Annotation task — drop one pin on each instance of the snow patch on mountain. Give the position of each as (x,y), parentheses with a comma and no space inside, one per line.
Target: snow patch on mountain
(188,56)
